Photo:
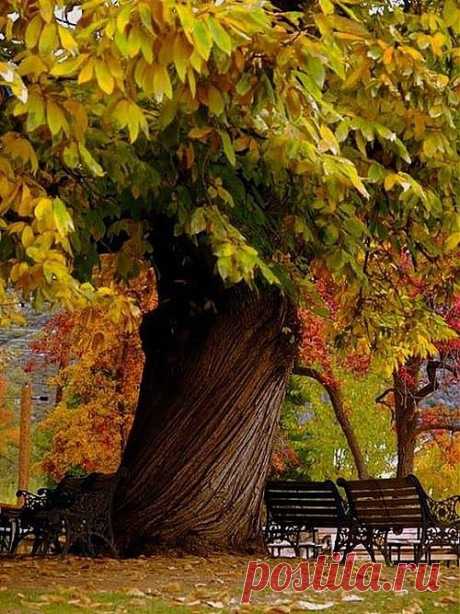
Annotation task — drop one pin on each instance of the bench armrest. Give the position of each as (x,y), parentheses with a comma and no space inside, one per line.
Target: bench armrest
(32,501)
(445,511)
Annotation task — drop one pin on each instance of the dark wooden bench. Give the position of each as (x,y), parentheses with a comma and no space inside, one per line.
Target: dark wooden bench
(295,507)
(74,516)
(389,506)
(40,514)
(88,519)
(7,528)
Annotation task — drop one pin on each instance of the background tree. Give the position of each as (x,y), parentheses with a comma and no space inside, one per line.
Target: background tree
(9,432)
(413,385)
(319,447)
(98,377)
(241,145)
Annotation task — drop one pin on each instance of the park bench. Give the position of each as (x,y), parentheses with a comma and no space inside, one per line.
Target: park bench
(382,509)
(296,507)
(76,515)
(6,528)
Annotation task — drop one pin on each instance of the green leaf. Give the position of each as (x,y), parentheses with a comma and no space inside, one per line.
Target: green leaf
(228,147)
(202,39)
(90,162)
(215,101)
(62,218)
(244,84)
(453,241)
(316,70)
(326,6)
(220,36)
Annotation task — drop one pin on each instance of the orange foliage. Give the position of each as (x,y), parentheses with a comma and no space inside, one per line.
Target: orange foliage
(437,464)
(9,432)
(100,368)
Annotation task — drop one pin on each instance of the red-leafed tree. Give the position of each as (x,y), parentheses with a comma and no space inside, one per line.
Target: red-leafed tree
(316,349)
(418,380)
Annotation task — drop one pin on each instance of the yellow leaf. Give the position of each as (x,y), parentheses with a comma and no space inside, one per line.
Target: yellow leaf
(216,102)
(202,39)
(161,82)
(86,73)
(48,39)
(43,208)
(191,81)
(390,181)
(181,55)
(104,77)
(67,40)
(55,118)
(33,30)
(388,56)
(199,133)
(328,140)
(46,10)
(32,65)
(123,18)
(67,67)
(27,237)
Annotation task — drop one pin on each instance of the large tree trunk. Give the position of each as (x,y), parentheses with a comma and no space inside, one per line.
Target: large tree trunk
(199,450)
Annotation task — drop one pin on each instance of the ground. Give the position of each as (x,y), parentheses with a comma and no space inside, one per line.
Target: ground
(189,584)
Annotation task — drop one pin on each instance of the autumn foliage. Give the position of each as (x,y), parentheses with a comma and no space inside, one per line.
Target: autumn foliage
(8,426)
(99,368)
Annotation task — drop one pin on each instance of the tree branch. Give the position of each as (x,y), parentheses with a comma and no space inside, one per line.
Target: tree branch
(338,406)
(380,398)
(432,368)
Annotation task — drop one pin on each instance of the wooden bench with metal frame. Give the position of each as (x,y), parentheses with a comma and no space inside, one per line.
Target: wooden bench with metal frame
(383,506)
(295,507)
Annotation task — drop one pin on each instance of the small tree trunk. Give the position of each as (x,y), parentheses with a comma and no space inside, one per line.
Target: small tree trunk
(347,429)
(338,405)
(405,415)
(199,450)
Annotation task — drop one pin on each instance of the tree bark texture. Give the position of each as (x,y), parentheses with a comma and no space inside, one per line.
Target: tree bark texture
(405,417)
(199,450)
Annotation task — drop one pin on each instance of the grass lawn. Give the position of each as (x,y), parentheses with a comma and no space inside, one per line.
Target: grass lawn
(189,584)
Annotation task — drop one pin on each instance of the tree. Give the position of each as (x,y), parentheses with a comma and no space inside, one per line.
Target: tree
(414,383)
(241,144)
(98,377)
(316,439)
(440,450)
(9,431)
(316,349)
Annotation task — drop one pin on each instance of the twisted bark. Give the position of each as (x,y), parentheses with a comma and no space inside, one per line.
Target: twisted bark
(199,450)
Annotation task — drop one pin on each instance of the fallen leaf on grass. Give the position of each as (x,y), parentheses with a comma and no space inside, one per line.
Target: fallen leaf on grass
(135,592)
(352,598)
(312,605)
(215,604)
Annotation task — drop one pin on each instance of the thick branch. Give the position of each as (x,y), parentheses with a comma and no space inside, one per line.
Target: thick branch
(432,368)
(381,397)
(341,415)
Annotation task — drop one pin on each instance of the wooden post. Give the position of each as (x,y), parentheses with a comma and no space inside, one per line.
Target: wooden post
(24,438)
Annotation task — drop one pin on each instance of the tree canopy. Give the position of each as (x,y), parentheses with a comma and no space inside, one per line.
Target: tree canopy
(278,142)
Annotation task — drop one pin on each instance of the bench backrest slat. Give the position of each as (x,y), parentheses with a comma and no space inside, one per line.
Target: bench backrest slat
(393,502)
(298,503)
